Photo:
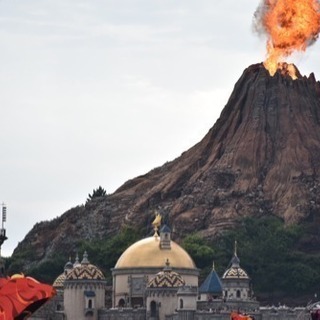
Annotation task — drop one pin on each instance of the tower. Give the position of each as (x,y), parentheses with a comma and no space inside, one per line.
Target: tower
(3,238)
(162,293)
(211,288)
(165,237)
(84,291)
(236,282)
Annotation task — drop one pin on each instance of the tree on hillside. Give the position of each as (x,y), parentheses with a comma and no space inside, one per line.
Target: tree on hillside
(96,193)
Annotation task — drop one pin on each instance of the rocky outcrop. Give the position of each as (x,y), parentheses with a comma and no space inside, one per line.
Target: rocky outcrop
(261,157)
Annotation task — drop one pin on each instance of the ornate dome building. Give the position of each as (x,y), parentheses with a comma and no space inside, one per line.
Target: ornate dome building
(236,282)
(162,291)
(84,291)
(139,264)
(143,289)
(58,284)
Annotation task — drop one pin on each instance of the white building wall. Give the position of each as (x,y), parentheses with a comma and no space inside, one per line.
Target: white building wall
(121,284)
(166,304)
(76,303)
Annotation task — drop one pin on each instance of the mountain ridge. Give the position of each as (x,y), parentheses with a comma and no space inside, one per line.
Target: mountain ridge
(261,157)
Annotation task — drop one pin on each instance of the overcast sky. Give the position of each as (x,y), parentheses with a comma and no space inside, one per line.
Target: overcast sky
(96,92)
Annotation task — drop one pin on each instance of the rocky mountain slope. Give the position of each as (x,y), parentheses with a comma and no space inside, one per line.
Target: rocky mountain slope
(261,157)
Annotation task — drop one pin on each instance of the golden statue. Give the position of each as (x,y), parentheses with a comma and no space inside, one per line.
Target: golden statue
(156,222)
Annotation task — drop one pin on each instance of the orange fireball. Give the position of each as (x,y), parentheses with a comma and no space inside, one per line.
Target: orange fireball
(291,25)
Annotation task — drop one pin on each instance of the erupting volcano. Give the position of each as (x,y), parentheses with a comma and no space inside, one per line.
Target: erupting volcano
(262,156)
(290,25)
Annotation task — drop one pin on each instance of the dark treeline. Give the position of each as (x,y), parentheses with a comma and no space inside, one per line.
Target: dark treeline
(269,251)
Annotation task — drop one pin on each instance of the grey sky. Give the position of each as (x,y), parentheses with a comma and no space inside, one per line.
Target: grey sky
(96,92)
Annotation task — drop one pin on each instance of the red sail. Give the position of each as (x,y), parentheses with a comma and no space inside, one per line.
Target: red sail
(21,296)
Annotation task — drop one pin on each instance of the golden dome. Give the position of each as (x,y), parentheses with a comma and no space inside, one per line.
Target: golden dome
(147,253)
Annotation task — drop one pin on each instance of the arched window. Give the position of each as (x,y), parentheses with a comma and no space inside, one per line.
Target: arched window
(121,303)
(89,304)
(238,294)
(153,309)
(181,304)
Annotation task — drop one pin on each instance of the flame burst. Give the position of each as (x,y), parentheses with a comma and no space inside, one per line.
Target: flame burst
(291,25)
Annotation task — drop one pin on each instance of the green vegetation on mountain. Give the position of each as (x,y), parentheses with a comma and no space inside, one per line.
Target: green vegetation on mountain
(105,253)
(269,251)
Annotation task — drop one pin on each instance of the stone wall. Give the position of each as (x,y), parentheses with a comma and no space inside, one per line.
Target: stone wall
(284,313)
(122,314)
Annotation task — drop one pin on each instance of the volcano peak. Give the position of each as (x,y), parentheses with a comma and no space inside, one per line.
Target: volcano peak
(261,157)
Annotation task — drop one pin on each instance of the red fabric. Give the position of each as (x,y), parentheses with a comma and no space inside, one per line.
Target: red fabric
(20,296)
(238,316)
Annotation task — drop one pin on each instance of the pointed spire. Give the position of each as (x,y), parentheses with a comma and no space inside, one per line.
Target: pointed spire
(212,283)
(68,266)
(85,258)
(76,263)
(235,261)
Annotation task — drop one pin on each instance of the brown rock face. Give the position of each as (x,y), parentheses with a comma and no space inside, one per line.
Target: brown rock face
(261,157)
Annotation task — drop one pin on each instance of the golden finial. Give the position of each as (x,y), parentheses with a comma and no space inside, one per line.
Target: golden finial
(167,267)
(156,222)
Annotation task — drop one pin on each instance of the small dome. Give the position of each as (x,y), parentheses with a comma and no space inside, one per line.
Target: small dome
(85,271)
(68,265)
(166,279)
(58,283)
(235,271)
(147,253)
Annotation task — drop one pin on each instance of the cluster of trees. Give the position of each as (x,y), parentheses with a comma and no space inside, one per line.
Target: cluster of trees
(269,251)
(103,253)
(96,193)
